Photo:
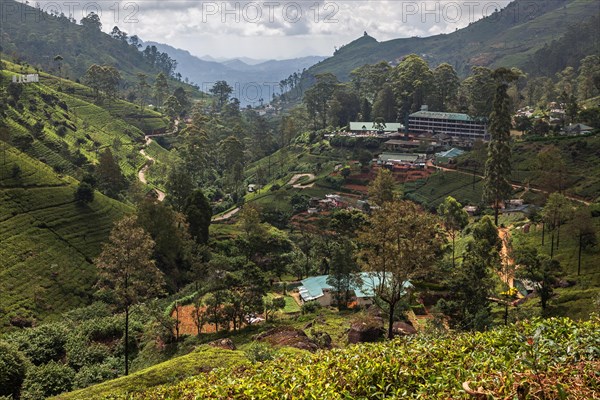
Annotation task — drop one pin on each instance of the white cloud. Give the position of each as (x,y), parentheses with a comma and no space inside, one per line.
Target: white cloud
(278,28)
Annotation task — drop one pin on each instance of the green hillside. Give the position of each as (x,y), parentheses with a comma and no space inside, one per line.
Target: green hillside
(204,358)
(432,191)
(558,357)
(507,38)
(58,122)
(48,240)
(52,131)
(36,36)
(581,177)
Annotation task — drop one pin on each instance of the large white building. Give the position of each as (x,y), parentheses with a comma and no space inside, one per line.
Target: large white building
(457,125)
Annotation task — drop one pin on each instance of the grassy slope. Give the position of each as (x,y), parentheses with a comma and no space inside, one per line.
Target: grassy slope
(579,153)
(201,360)
(432,191)
(425,366)
(47,239)
(578,301)
(89,127)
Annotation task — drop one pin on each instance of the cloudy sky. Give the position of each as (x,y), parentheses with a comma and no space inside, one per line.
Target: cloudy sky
(277,29)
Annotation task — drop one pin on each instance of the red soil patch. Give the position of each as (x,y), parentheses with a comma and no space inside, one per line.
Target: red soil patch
(186,321)
(357,188)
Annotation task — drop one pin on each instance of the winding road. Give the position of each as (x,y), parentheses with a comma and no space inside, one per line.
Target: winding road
(291,182)
(142,172)
(144,169)
(226,216)
(297,177)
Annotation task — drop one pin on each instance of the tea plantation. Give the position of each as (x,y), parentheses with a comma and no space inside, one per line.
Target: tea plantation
(554,358)
(48,240)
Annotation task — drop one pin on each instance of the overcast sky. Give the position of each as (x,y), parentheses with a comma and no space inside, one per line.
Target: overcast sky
(277,29)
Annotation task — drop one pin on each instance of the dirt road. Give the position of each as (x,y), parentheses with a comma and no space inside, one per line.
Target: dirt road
(142,172)
(297,177)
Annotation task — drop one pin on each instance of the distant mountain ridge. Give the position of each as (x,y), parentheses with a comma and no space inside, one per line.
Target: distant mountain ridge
(509,37)
(247,60)
(251,82)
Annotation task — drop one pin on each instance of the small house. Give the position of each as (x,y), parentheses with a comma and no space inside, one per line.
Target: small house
(369,127)
(471,210)
(578,129)
(317,289)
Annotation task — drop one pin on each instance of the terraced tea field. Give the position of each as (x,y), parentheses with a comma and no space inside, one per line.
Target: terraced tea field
(47,240)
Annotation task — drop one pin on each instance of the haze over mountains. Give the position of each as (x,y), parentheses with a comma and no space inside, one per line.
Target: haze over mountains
(251,79)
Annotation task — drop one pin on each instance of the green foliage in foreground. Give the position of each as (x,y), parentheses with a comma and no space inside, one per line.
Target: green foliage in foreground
(501,360)
(204,359)
(12,370)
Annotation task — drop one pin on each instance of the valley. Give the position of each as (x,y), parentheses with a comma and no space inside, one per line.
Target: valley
(417,217)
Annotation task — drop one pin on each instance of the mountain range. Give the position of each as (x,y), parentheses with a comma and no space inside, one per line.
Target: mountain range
(251,79)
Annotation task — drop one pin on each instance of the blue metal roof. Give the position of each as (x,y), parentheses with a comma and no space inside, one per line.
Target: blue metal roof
(312,288)
(453,152)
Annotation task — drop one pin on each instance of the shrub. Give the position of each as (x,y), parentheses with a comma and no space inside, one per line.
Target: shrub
(96,310)
(310,307)
(47,380)
(105,329)
(346,171)
(43,344)
(84,193)
(96,373)
(299,203)
(335,182)
(259,352)
(13,367)
(81,353)
(15,172)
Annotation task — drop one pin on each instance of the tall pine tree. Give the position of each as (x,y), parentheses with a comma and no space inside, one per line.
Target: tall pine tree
(497,167)
(126,273)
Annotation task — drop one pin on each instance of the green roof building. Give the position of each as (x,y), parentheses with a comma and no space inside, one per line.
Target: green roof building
(456,125)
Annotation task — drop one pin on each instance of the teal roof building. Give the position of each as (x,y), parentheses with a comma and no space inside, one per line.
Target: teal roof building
(317,288)
(452,153)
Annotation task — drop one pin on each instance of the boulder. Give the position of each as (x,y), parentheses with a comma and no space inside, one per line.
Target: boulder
(401,328)
(322,339)
(365,331)
(288,336)
(226,344)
